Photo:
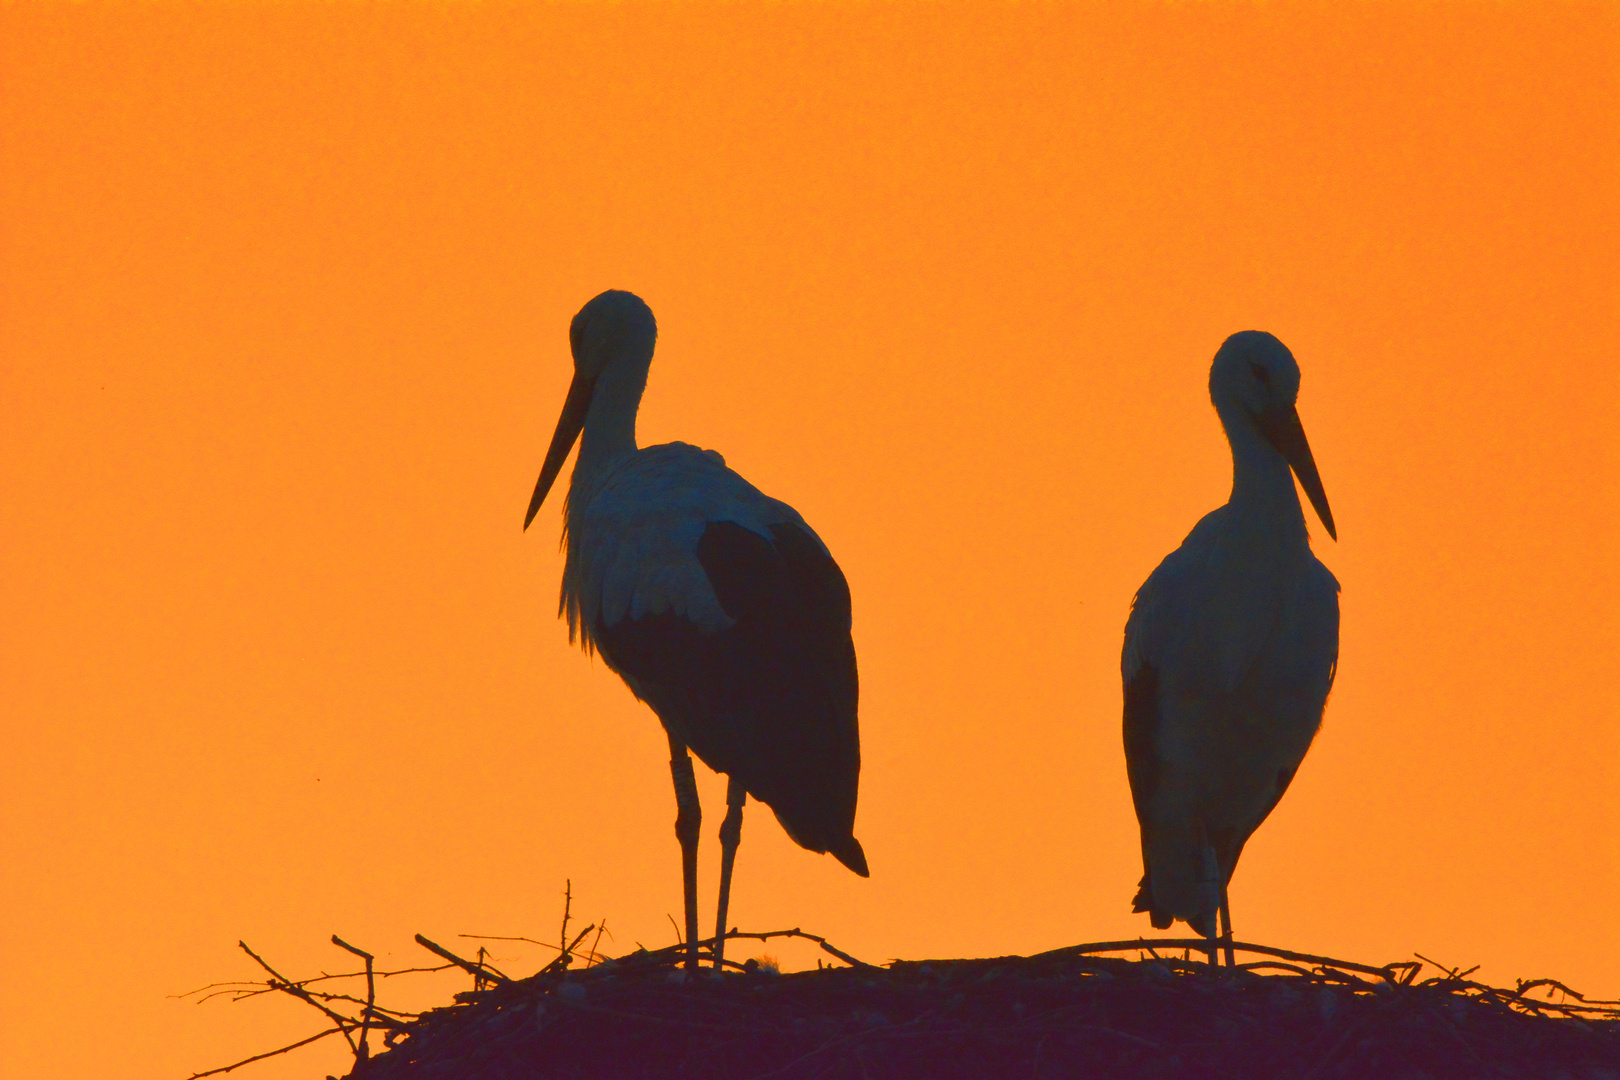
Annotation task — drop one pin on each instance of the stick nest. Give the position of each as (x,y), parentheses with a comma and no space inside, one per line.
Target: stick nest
(1071,1012)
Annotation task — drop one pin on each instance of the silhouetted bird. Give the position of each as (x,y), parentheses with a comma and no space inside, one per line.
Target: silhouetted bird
(1230,650)
(717,605)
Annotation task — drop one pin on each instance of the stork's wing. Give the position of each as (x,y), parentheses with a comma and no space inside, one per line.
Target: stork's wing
(1141,717)
(1156,607)
(770,700)
(632,540)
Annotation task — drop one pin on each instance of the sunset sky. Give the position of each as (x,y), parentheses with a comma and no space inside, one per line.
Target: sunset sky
(283,335)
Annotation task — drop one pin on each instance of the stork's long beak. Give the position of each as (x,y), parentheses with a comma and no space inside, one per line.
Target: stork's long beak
(575,406)
(1287,434)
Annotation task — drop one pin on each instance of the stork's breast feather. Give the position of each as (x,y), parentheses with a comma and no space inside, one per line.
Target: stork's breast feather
(1216,604)
(633,546)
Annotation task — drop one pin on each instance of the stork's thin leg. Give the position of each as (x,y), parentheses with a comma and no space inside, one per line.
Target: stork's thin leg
(688,817)
(1226,928)
(1211,897)
(730,837)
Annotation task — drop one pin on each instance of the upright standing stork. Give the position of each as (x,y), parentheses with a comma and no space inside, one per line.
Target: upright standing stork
(717,605)
(1230,651)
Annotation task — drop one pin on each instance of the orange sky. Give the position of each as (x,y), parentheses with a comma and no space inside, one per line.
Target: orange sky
(283,332)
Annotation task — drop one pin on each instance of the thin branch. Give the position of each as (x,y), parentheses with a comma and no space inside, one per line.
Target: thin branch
(1279,965)
(1552,984)
(1383,972)
(363,1052)
(568,904)
(566,957)
(303,995)
(826,946)
(496,937)
(311,981)
(594,955)
(466,965)
(261,1057)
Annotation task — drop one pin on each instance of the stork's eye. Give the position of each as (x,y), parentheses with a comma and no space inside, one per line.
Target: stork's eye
(1261,373)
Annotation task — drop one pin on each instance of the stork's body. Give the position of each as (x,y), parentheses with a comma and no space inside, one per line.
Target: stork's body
(718,606)
(1230,650)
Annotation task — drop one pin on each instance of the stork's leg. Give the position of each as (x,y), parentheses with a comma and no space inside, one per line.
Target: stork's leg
(688,817)
(1211,896)
(730,837)
(1226,927)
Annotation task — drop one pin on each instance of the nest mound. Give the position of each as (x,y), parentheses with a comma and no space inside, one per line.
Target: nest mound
(1068,1013)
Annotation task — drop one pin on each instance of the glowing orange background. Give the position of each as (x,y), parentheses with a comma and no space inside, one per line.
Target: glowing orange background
(286,293)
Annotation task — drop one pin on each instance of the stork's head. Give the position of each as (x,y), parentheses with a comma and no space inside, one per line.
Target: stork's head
(1255,370)
(613,324)
(1255,380)
(615,332)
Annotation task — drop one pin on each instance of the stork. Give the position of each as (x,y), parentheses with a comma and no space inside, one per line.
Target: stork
(717,605)
(1230,651)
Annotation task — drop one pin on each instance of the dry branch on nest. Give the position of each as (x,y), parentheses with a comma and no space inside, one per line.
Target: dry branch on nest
(489,1014)
(368,1015)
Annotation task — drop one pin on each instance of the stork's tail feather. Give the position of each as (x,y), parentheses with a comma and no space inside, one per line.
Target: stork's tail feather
(850,854)
(1143,901)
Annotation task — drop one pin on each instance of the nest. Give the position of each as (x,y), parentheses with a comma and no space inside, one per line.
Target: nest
(1076,1011)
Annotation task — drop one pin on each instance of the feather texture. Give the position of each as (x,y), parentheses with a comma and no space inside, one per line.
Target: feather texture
(632,537)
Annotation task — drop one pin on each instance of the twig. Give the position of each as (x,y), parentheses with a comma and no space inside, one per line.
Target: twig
(565,957)
(568,903)
(1553,984)
(379,1013)
(466,965)
(301,994)
(595,956)
(315,979)
(261,1057)
(1451,973)
(1200,943)
(363,1052)
(826,946)
(497,937)
(1258,964)
(654,957)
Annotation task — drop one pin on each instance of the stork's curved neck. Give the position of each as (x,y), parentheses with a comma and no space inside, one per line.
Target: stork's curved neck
(1262,484)
(610,425)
